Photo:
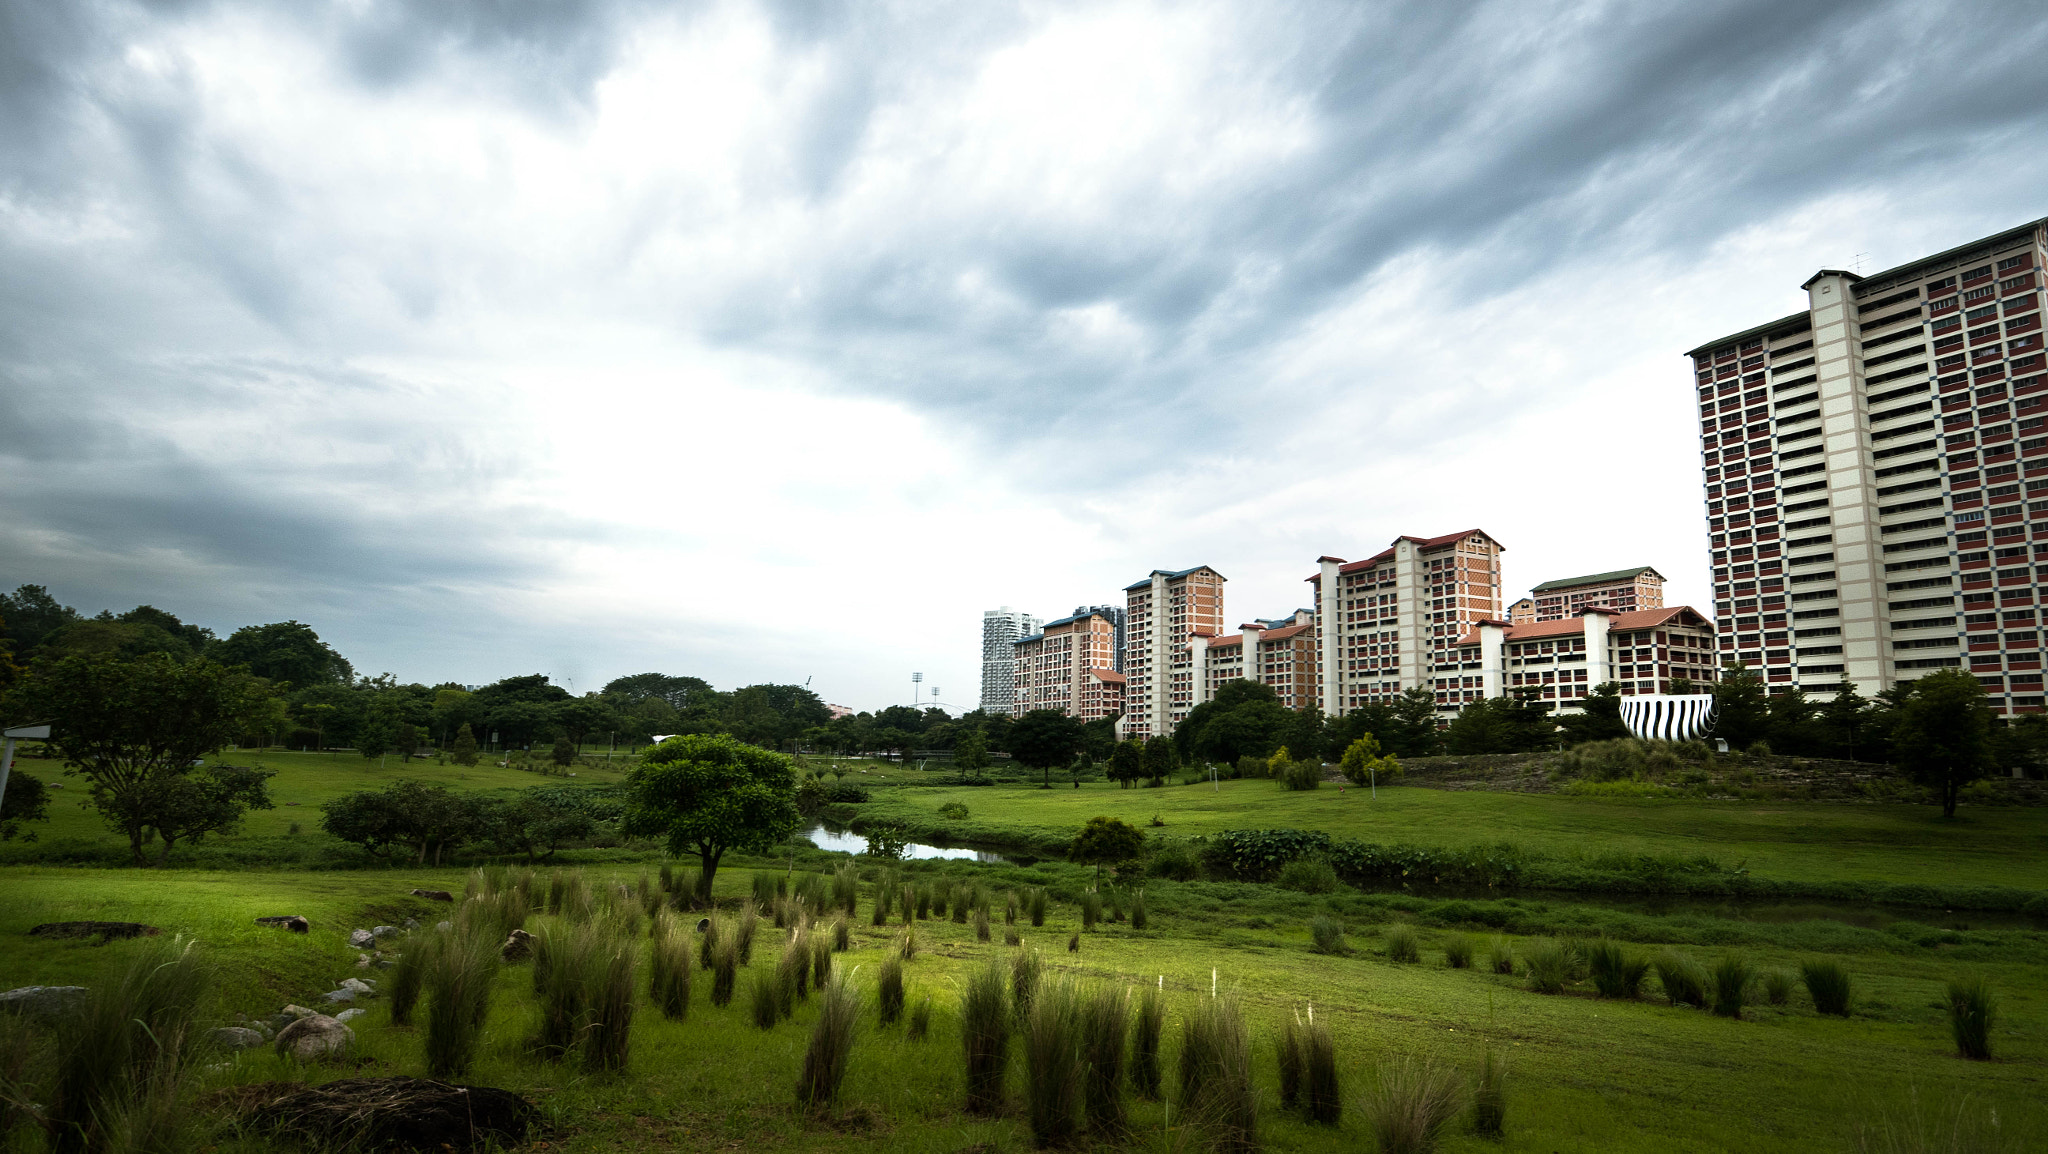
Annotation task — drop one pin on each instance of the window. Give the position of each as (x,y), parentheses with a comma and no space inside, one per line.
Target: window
(1981,271)
(2023,260)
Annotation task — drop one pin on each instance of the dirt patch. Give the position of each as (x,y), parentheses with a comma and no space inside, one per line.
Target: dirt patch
(104,931)
(398,1113)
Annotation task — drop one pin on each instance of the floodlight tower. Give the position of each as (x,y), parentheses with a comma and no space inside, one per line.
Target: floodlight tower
(915,692)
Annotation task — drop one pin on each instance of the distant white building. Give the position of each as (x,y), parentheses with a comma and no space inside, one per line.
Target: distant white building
(1000,629)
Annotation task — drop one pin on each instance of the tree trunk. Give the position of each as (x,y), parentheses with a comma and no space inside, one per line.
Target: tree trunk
(135,844)
(709,858)
(163,857)
(1949,789)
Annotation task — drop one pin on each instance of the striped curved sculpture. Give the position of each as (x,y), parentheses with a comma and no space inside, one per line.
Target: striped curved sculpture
(1662,716)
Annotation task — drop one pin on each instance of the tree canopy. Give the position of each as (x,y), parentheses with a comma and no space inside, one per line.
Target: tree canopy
(1943,733)
(287,652)
(1045,739)
(1106,841)
(710,793)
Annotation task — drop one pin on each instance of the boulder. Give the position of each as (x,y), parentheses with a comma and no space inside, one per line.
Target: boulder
(292,922)
(361,939)
(235,1037)
(317,1038)
(518,946)
(350,1014)
(43,1003)
(384,931)
(434,895)
(336,997)
(363,987)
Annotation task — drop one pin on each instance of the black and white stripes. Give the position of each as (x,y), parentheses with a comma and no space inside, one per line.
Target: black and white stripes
(1663,717)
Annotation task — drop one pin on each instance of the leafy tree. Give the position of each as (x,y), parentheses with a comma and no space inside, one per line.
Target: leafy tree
(678,693)
(209,800)
(1098,738)
(582,718)
(1364,763)
(1044,739)
(286,652)
(1793,727)
(1846,723)
(1517,724)
(31,614)
(1411,729)
(106,636)
(454,708)
(1243,719)
(518,722)
(463,752)
(1741,710)
(408,741)
(712,793)
(537,823)
(564,752)
(970,753)
(1161,760)
(1106,841)
(1600,719)
(425,818)
(2020,747)
(1943,734)
(1276,765)
(1127,762)
(28,799)
(132,729)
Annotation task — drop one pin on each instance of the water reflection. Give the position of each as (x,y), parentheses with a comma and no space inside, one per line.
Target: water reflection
(846,841)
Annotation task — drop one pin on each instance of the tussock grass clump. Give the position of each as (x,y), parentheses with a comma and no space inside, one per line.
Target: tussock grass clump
(920,1020)
(1147,1024)
(121,1064)
(821,961)
(1777,986)
(1409,1105)
(1054,1065)
(985,1036)
(1732,976)
(1489,1095)
(725,971)
(960,899)
(1401,944)
(1010,908)
(458,993)
(1684,980)
(1288,1057)
(924,903)
(1458,952)
(1320,1096)
(981,933)
(906,943)
(1216,1074)
(1616,972)
(558,993)
(1972,1010)
(842,934)
(743,933)
(1548,966)
(1012,938)
(825,1059)
(881,911)
(707,942)
(607,1030)
(846,888)
(409,974)
(1036,905)
(1105,1023)
(907,903)
(1091,909)
(764,889)
(558,888)
(889,991)
(1307,875)
(1074,943)
(668,878)
(764,998)
(1025,968)
(793,969)
(1500,955)
(669,967)
(686,893)
(1827,983)
(1326,935)
(1140,917)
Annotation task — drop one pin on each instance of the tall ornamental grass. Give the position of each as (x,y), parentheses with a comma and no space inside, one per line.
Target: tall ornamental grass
(1054,1065)
(409,974)
(985,1037)
(1326,935)
(1828,984)
(1036,905)
(1548,966)
(1616,972)
(1684,980)
(1091,909)
(1105,1023)
(707,942)
(725,968)
(1458,952)
(1500,955)
(669,967)
(1401,944)
(1141,918)
(1216,1074)
(458,993)
(121,1065)
(1025,969)
(1489,1095)
(1972,1011)
(1147,1025)
(743,933)
(825,1059)
(1732,976)
(889,991)
(764,998)
(1288,1058)
(846,888)
(1410,1105)
(1320,1096)
(608,1028)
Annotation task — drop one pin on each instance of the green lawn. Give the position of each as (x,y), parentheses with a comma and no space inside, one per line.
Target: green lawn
(1802,841)
(1587,1075)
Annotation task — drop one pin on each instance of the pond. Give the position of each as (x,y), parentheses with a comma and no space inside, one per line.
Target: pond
(842,840)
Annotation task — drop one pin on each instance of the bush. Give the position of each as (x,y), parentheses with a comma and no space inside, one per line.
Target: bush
(1616,972)
(825,1058)
(1732,976)
(1972,1010)
(1174,858)
(1500,955)
(1410,1104)
(1326,935)
(1489,1096)
(1620,759)
(1146,1026)
(1458,952)
(1549,966)
(1053,1064)
(1828,984)
(1684,980)
(1308,875)
(953,811)
(1216,1074)
(1248,767)
(985,1034)
(1302,775)
(1401,945)
(889,991)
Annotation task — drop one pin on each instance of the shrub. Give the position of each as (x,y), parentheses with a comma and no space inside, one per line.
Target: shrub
(1777,987)
(1091,909)
(1216,1074)
(1146,1027)
(669,968)
(1105,1022)
(831,1043)
(1248,767)
(1319,1090)
(1139,917)
(1549,967)
(889,991)
(1037,906)
(120,1066)
(953,811)
(1175,859)
(1827,983)
(1025,968)
(1616,972)
(1500,955)
(1972,1010)
(920,1020)
(985,1035)
(1053,1064)
(1301,775)
(1401,945)
(1489,1096)
(1458,952)
(1410,1104)
(1308,875)
(1732,976)
(409,974)
(981,925)
(724,973)
(765,999)
(1684,980)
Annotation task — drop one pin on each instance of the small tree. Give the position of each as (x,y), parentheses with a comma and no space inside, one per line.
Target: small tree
(1161,759)
(970,753)
(28,799)
(1276,765)
(408,740)
(463,752)
(1742,710)
(1364,764)
(1943,734)
(1044,739)
(709,793)
(536,823)
(1106,841)
(211,800)
(1127,762)
(564,752)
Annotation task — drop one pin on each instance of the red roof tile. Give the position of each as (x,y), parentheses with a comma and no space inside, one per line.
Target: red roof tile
(1636,619)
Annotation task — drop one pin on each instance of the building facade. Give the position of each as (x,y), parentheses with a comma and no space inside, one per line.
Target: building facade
(1386,623)
(1623,591)
(1523,610)
(1868,464)
(1066,666)
(1162,613)
(1278,652)
(1000,629)
(1119,617)
(1559,662)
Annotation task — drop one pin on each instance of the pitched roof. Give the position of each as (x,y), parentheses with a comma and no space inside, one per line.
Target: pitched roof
(1597,579)
(1420,542)
(1169,576)
(1570,626)
(1109,675)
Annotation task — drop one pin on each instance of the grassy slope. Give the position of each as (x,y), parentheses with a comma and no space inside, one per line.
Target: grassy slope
(1588,1075)
(1799,841)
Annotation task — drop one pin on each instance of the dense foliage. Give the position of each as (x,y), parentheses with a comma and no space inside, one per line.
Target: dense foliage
(708,794)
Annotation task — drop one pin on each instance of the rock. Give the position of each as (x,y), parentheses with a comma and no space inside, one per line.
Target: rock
(292,922)
(412,923)
(444,927)
(235,1037)
(296,1012)
(434,895)
(44,1003)
(338,996)
(362,986)
(518,946)
(384,931)
(105,931)
(361,939)
(315,1039)
(362,961)
(350,1014)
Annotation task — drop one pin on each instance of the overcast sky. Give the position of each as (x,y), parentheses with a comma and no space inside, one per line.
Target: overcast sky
(773,342)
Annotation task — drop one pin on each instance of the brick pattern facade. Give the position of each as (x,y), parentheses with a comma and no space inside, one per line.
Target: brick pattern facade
(1067,667)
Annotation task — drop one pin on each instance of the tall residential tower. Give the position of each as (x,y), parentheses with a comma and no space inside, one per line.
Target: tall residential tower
(1000,629)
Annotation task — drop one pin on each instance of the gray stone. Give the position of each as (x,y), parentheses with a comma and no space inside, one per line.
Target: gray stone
(293,922)
(444,927)
(361,939)
(338,996)
(43,1003)
(364,987)
(412,923)
(384,931)
(350,1014)
(235,1037)
(518,946)
(296,1011)
(315,1039)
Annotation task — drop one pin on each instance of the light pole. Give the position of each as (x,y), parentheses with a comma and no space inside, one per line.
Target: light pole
(7,739)
(915,692)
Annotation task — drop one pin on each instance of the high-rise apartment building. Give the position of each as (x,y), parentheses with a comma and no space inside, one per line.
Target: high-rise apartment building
(1117,615)
(1388,622)
(1868,463)
(1067,666)
(1522,612)
(1558,662)
(1623,591)
(1278,652)
(1000,629)
(1160,676)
